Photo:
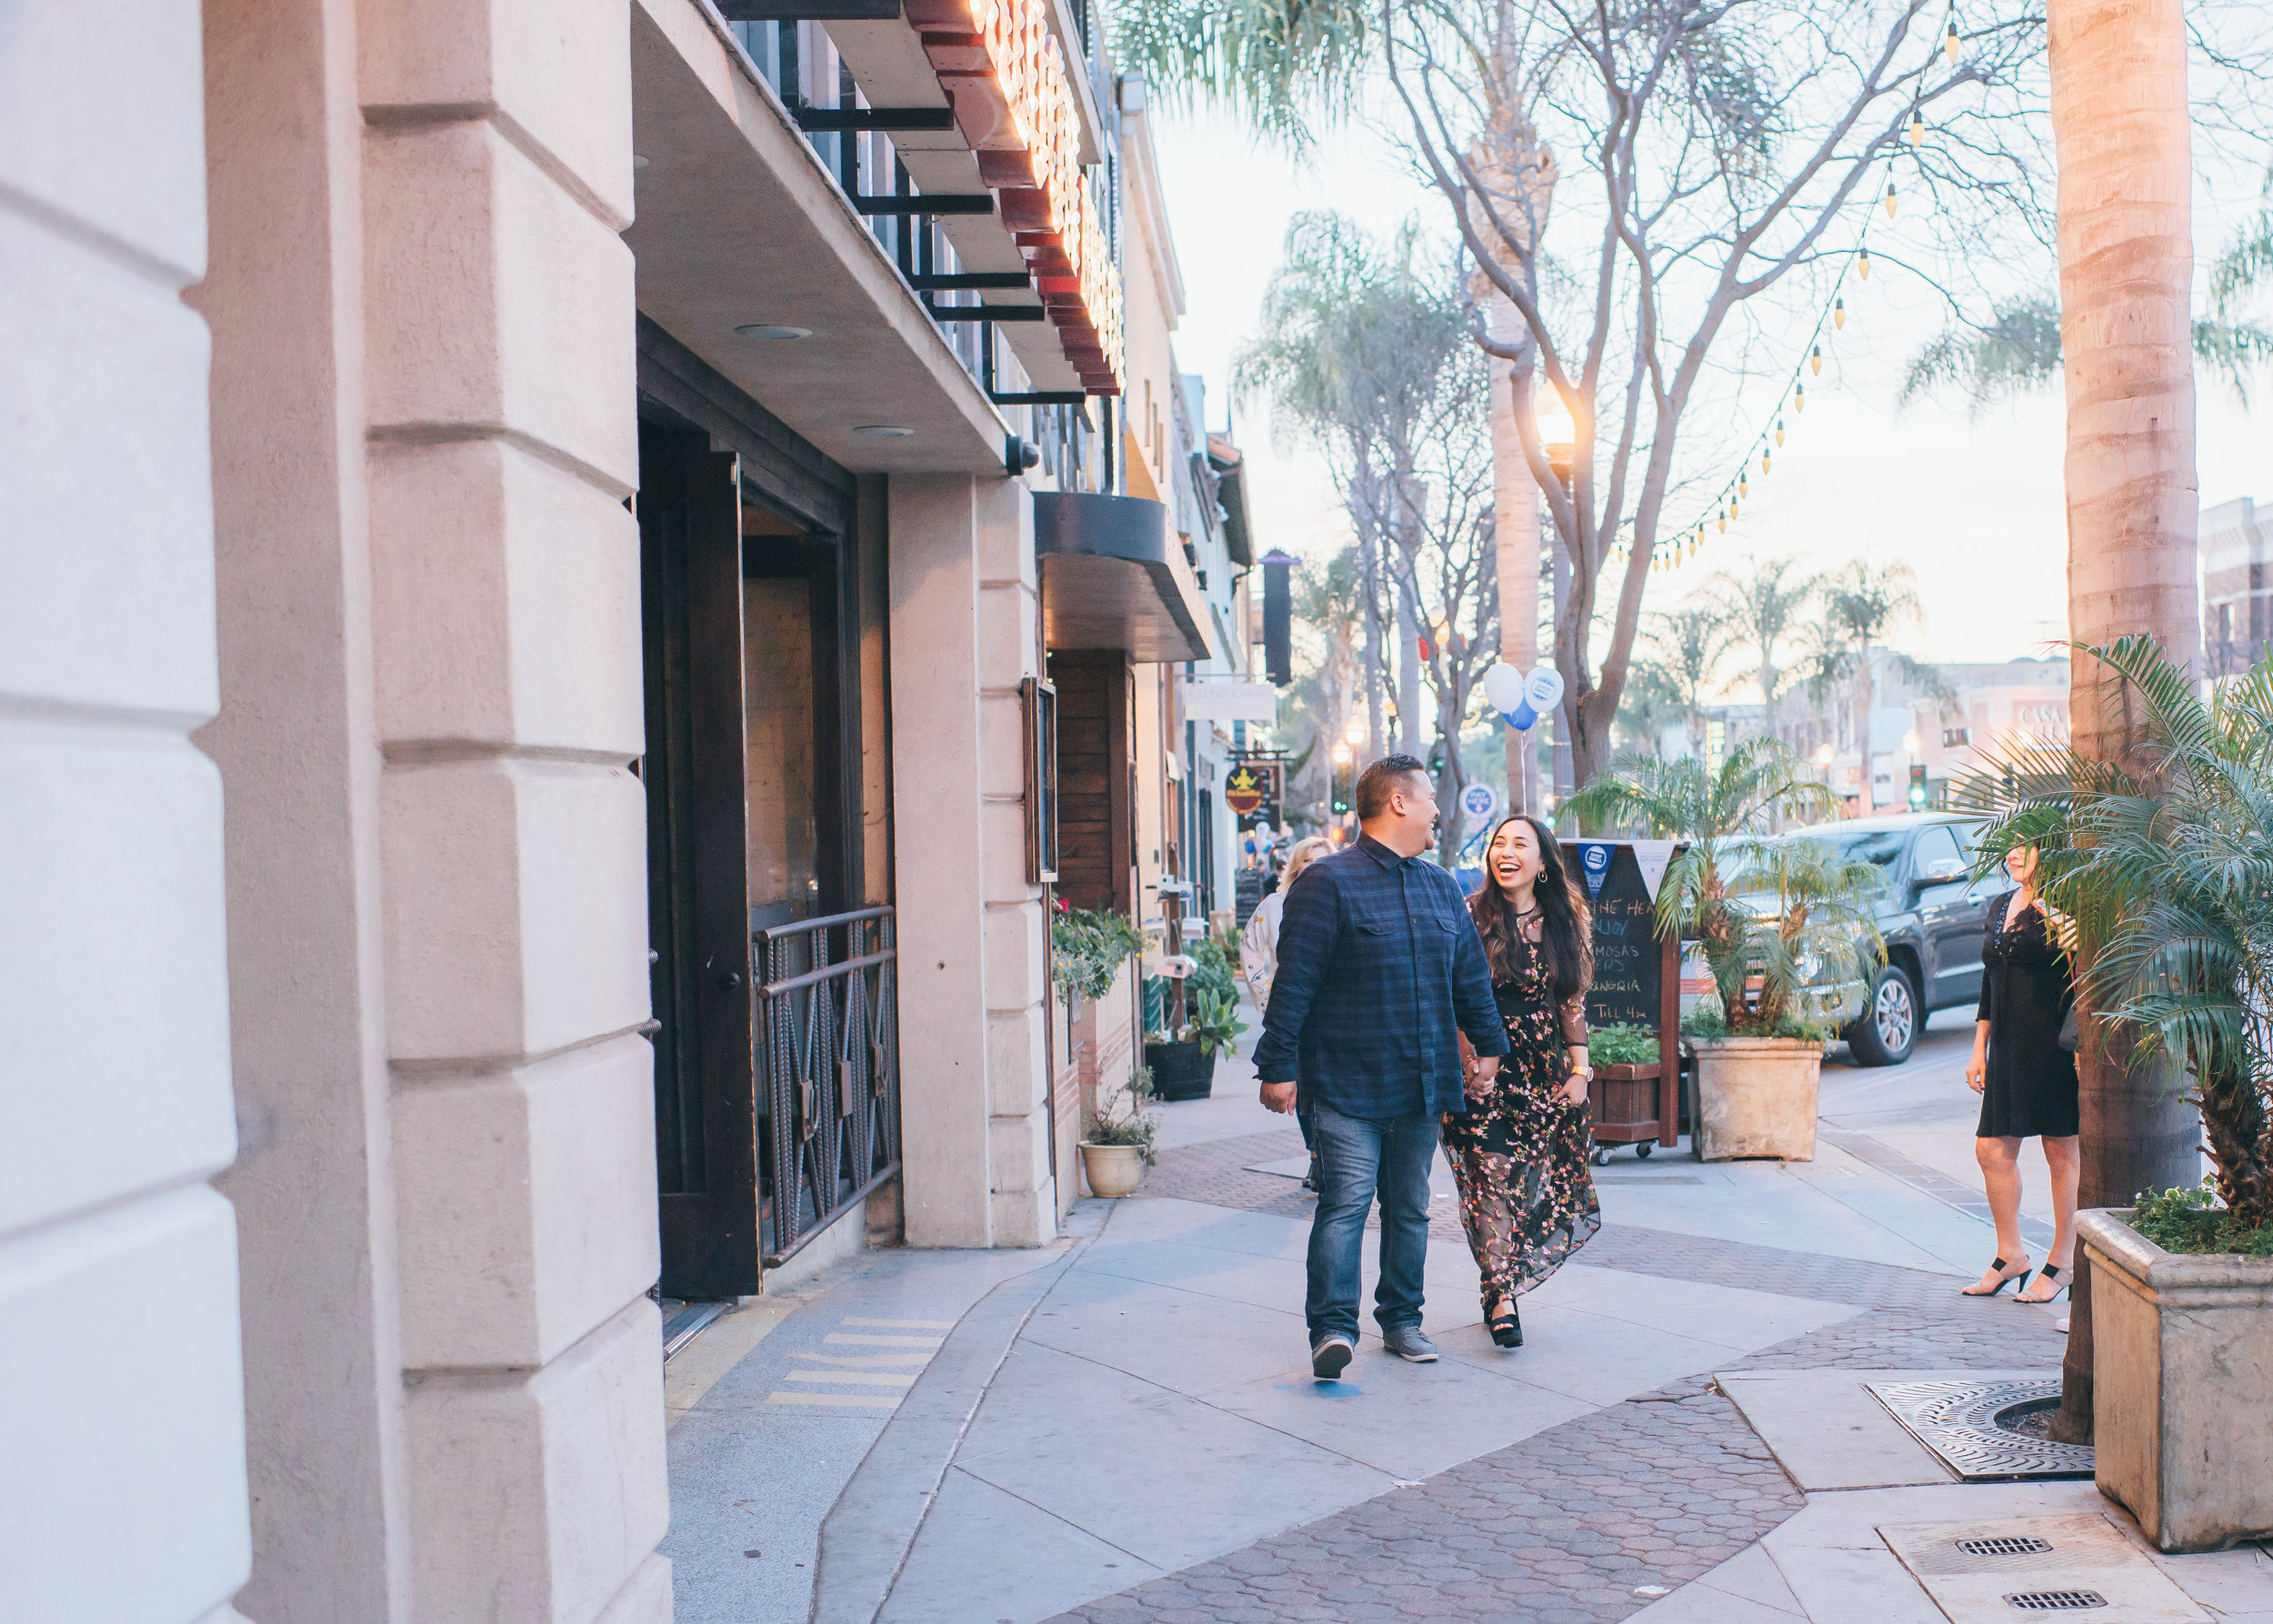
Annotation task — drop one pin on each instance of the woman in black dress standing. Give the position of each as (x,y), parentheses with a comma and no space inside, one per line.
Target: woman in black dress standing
(1519,1155)
(2026,1081)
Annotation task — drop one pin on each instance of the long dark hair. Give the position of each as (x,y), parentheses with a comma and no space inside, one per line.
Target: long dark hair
(1566,936)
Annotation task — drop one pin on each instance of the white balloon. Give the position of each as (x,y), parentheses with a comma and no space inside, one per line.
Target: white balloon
(1544,688)
(1504,687)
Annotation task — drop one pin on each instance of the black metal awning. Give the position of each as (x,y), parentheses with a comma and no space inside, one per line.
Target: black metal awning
(1114,576)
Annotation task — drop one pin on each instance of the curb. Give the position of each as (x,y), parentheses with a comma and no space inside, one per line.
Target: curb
(869,1532)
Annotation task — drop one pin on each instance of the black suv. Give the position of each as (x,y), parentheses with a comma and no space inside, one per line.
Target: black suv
(1931,913)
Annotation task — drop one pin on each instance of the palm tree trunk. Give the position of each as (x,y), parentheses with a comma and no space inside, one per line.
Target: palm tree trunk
(1867,691)
(2119,129)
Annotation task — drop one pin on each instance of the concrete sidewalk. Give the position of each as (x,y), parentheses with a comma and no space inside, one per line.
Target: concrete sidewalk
(1124,1428)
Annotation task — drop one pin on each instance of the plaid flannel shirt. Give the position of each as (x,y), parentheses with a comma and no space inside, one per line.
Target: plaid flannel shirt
(1378,964)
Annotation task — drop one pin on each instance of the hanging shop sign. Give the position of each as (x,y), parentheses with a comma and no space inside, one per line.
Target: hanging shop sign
(1252,793)
(1003,73)
(1229,701)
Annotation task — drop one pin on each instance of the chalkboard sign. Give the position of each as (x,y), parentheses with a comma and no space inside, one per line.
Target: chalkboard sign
(1628,959)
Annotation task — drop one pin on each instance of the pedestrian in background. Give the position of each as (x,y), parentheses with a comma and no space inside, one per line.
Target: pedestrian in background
(1379,973)
(1258,961)
(2026,1076)
(1520,1154)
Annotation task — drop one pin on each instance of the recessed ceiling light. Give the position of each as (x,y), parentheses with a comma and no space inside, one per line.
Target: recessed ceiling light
(882,431)
(773,330)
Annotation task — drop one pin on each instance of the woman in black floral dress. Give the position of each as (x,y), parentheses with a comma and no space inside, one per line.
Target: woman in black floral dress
(1519,1155)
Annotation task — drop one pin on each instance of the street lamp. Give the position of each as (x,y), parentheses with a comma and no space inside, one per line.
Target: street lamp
(1341,755)
(1560,431)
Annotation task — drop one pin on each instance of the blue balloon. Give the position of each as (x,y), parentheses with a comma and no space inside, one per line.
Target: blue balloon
(1522,718)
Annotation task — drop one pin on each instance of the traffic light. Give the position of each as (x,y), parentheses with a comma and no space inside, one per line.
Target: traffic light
(1345,775)
(1918,787)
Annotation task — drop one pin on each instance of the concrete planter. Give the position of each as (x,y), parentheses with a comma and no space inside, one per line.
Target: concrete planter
(2182,1387)
(1113,1169)
(1756,1097)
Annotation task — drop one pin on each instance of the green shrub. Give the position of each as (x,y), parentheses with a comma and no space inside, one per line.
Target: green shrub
(1621,1046)
(2190,1220)
(1132,1124)
(1088,948)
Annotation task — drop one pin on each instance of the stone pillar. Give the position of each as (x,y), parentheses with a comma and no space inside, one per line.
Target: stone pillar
(975,1153)
(298,748)
(122,1475)
(437,851)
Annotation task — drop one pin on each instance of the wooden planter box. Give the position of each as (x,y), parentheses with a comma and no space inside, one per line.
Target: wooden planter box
(1624,1102)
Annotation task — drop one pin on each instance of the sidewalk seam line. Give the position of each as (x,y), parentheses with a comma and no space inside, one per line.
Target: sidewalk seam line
(963,1430)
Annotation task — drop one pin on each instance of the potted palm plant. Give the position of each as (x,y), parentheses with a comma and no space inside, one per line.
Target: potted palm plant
(1769,911)
(2167,877)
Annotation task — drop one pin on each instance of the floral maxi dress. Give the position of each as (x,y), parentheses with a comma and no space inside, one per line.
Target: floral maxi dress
(1520,1156)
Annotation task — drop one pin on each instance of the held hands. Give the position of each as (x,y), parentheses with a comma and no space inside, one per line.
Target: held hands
(1476,1075)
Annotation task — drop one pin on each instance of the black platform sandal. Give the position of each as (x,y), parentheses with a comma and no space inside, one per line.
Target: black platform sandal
(1506,1329)
(2003,1280)
(2050,1271)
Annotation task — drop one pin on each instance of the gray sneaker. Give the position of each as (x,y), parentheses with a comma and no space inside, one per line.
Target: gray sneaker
(1330,1356)
(1408,1343)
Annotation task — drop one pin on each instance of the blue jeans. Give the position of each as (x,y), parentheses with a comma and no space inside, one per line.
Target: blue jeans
(1357,1159)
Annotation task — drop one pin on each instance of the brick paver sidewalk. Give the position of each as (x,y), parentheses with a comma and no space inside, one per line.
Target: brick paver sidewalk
(1566,1526)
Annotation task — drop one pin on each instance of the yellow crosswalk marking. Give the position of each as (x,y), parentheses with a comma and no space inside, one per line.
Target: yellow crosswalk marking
(842,1401)
(906,1325)
(874,1379)
(841,1336)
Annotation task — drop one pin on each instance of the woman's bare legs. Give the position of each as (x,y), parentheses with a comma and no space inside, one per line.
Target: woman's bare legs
(2000,1174)
(2064,1157)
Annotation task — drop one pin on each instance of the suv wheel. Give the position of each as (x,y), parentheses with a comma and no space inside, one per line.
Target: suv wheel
(1888,1031)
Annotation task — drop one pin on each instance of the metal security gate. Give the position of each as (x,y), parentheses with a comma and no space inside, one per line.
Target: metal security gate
(827,1048)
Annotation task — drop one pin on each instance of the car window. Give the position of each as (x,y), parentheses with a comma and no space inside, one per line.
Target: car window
(1935,844)
(1879,848)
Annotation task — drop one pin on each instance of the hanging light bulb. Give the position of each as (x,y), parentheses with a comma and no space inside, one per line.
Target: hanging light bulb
(1800,394)
(1816,360)
(1839,313)
(1862,265)
(1780,431)
(1950,42)
(1724,521)
(1744,487)
(1918,129)
(1889,200)
(1764,456)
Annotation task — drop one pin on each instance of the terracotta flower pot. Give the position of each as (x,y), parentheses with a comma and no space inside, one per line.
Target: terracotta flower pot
(2182,1386)
(1756,1097)
(1114,1170)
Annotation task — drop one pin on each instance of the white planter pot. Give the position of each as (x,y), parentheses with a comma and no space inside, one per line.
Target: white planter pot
(1113,1169)
(2182,1387)
(1757,1097)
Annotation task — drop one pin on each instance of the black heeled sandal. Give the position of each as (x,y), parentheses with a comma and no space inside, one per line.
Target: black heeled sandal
(2005,1281)
(2050,1271)
(1506,1329)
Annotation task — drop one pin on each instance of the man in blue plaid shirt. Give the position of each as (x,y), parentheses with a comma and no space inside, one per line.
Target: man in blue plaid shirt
(1378,966)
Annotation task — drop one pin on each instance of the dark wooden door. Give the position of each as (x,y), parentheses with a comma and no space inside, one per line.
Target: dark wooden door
(690,548)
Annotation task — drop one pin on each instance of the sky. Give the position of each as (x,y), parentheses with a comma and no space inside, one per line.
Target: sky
(1974,506)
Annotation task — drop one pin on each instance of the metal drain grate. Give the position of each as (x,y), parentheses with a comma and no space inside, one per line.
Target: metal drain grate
(2002,1548)
(2055,1601)
(1959,1422)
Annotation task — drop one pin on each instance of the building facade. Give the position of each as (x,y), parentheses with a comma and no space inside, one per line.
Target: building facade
(2235,545)
(559,544)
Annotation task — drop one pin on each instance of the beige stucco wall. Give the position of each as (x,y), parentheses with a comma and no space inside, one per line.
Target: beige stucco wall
(430,667)
(122,1480)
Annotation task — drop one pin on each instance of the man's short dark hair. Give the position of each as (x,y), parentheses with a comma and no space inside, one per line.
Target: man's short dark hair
(1383,779)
